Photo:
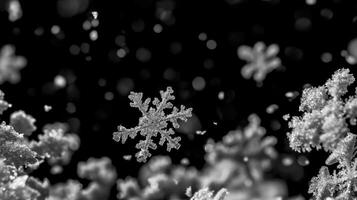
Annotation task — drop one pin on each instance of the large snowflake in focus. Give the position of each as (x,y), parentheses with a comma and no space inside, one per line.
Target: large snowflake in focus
(153,121)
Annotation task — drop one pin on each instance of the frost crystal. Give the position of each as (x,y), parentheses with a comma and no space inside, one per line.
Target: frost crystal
(325,123)
(10,65)
(342,183)
(261,60)
(153,121)
(326,115)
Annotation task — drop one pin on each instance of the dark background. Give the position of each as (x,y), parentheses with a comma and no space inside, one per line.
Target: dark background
(230,23)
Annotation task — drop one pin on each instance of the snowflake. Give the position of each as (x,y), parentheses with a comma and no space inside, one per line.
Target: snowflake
(327,114)
(154,121)
(261,60)
(342,184)
(10,64)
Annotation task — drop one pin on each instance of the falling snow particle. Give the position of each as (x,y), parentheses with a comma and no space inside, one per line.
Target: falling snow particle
(291,95)
(272,108)
(221,95)
(202,36)
(93,35)
(47,108)
(60,81)
(198,83)
(310,2)
(14,9)
(55,29)
(211,44)
(157,28)
(121,53)
(200,132)
(287,161)
(127,157)
(95,14)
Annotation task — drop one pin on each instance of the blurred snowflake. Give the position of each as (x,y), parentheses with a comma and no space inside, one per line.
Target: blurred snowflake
(261,60)
(10,65)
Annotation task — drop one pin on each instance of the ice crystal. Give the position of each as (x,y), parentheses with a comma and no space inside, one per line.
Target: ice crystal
(154,120)
(343,183)
(326,114)
(261,60)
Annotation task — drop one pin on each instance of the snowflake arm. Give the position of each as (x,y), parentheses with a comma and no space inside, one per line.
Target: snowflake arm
(154,120)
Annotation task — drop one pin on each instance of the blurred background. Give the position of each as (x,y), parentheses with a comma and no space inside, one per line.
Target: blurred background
(85,56)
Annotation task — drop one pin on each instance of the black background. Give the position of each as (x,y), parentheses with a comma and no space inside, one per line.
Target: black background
(229,24)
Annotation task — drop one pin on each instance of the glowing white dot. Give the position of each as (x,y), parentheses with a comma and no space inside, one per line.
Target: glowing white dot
(95,14)
(127,157)
(287,161)
(93,35)
(60,81)
(157,28)
(310,2)
(47,108)
(202,36)
(55,29)
(291,95)
(245,159)
(272,108)
(198,83)
(221,95)
(185,161)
